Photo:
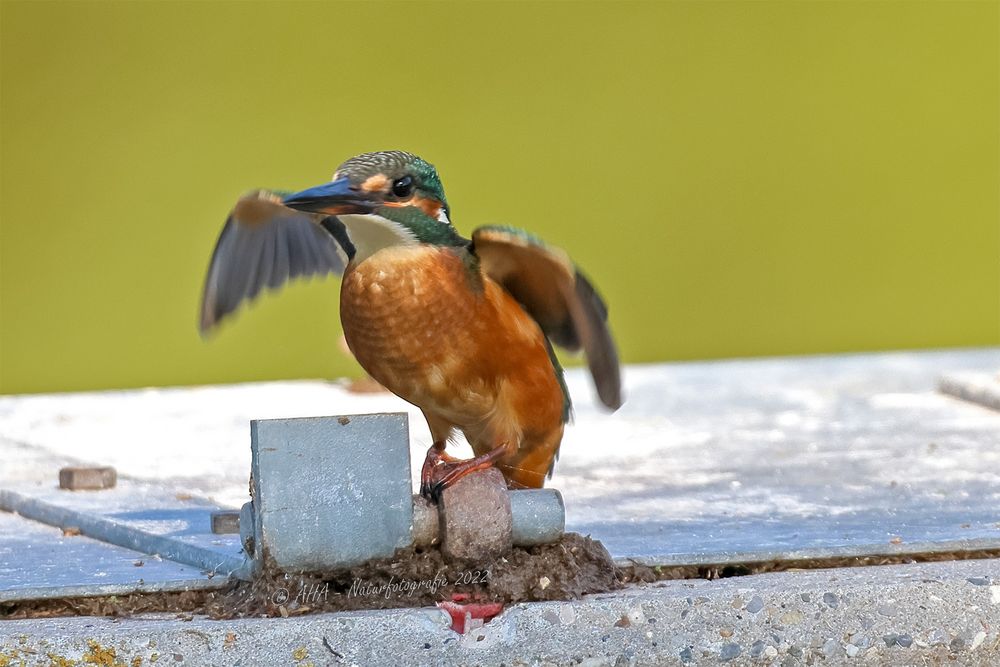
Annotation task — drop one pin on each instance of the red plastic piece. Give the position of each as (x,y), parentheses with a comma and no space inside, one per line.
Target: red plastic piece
(461,614)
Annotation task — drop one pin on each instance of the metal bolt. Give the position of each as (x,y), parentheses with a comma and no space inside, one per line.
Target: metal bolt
(88,479)
(226,522)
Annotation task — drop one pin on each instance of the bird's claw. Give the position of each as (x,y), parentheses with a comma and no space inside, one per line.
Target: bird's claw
(441,471)
(432,491)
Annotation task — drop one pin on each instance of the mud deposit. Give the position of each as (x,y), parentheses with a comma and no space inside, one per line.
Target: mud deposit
(565,570)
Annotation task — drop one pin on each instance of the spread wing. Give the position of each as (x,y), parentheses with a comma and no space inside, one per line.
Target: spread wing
(557,295)
(264,244)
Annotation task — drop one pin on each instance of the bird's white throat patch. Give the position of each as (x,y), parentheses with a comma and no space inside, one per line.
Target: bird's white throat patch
(371,233)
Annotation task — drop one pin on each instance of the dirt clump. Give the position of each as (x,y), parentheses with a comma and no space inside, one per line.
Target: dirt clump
(564,570)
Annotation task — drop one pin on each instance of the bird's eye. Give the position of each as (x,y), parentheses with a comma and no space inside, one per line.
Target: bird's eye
(403,187)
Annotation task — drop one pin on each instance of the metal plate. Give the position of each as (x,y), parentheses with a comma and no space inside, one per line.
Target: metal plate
(38,561)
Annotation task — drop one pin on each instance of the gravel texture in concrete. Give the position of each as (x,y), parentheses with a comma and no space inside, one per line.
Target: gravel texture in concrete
(935,613)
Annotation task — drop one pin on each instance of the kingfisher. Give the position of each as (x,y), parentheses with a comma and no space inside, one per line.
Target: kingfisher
(461,328)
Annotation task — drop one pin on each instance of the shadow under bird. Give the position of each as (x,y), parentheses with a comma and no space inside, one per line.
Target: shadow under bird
(460,328)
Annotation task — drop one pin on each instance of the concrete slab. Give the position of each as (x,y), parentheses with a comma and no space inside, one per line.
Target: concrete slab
(747,460)
(938,613)
(706,462)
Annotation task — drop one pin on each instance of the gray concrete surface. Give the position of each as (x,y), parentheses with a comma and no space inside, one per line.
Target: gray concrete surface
(928,614)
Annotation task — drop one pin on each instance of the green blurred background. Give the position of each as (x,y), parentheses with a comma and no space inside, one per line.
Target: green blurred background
(739,179)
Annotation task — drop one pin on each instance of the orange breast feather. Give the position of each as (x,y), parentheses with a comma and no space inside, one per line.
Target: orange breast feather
(461,350)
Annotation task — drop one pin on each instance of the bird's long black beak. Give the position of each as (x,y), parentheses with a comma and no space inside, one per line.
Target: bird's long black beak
(333,198)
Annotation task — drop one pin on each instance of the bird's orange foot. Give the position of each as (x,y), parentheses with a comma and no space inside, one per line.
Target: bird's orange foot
(441,470)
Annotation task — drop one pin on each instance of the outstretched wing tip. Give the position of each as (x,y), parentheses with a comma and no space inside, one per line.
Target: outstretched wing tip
(612,399)
(263,245)
(208,320)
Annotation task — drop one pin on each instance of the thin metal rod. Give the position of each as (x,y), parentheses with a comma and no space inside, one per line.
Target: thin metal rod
(119,534)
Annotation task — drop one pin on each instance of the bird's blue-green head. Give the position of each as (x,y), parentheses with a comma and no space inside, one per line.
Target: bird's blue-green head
(385,198)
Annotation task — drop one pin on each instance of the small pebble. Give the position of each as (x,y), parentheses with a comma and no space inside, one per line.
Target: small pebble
(755,604)
(770,652)
(795,651)
(890,639)
(686,655)
(977,640)
(566,614)
(805,597)
(831,599)
(792,617)
(636,615)
(978,581)
(757,649)
(937,637)
(725,632)
(904,640)
(831,648)
(851,650)
(728,652)
(957,644)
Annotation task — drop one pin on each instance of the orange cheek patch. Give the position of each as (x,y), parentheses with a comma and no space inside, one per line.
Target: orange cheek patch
(376,183)
(431,207)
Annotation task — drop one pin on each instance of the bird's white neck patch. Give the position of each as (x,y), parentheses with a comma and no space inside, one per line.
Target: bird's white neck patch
(371,233)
